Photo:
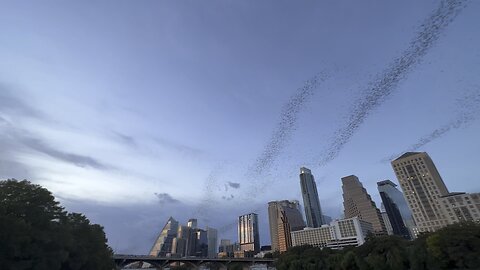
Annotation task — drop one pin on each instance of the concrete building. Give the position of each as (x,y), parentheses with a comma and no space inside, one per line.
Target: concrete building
(399,215)
(284,217)
(460,206)
(311,202)
(422,185)
(339,234)
(358,203)
(248,235)
(163,245)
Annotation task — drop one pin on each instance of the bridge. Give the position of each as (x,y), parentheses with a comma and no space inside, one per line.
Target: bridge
(124,261)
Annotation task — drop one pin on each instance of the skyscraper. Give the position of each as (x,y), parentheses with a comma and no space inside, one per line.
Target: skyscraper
(212,242)
(358,203)
(423,186)
(248,235)
(397,210)
(313,212)
(284,217)
(163,244)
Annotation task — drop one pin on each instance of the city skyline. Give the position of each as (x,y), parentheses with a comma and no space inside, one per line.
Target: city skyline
(132,113)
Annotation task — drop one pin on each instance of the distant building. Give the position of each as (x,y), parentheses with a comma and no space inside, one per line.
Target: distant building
(386,221)
(212,242)
(248,235)
(192,223)
(180,244)
(396,208)
(284,217)
(358,203)
(422,185)
(337,235)
(227,249)
(311,202)
(327,219)
(163,245)
(460,206)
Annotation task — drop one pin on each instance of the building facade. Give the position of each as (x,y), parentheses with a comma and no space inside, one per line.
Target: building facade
(396,208)
(311,202)
(163,245)
(423,186)
(284,217)
(337,235)
(460,206)
(358,203)
(212,242)
(248,235)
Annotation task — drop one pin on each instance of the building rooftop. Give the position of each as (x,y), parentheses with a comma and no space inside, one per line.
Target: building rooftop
(386,182)
(407,154)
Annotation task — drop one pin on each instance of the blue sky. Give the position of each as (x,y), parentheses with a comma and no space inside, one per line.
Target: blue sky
(131,112)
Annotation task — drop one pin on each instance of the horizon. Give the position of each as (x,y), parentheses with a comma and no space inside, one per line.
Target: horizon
(131,113)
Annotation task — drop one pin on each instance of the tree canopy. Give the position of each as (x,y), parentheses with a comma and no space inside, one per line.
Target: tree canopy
(37,233)
(454,247)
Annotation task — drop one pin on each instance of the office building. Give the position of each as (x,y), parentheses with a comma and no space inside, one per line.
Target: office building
(327,219)
(311,202)
(396,208)
(460,206)
(163,245)
(212,242)
(338,234)
(227,249)
(180,244)
(192,223)
(248,236)
(358,203)
(284,217)
(422,185)
(386,221)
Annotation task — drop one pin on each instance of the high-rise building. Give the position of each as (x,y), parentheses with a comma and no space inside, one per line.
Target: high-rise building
(339,234)
(163,244)
(192,223)
(358,203)
(397,209)
(212,242)
(311,202)
(248,235)
(181,241)
(386,221)
(422,185)
(284,217)
(460,206)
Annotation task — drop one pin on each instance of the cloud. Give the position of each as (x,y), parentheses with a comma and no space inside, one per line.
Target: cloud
(125,139)
(385,83)
(234,185)
(77,160)
(14,106)
(165,198)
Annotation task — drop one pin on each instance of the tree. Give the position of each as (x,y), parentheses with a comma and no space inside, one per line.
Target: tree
(456,246)
(36,232)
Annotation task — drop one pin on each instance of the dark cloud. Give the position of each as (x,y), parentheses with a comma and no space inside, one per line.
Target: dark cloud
(387,81)
(11,104)
(233,185)
(125,139)
(165,198)
(77,160)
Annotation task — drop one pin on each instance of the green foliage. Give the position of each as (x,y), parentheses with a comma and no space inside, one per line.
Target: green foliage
(36,233)
(453,247)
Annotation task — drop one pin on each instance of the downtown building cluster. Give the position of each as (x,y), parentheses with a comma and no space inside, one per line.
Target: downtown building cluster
(425,205)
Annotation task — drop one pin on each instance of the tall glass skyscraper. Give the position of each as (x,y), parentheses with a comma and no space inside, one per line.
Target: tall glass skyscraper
(248,235)
(397,210)
(313,212)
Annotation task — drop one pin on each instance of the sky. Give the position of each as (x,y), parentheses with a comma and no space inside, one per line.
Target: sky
(134,111)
